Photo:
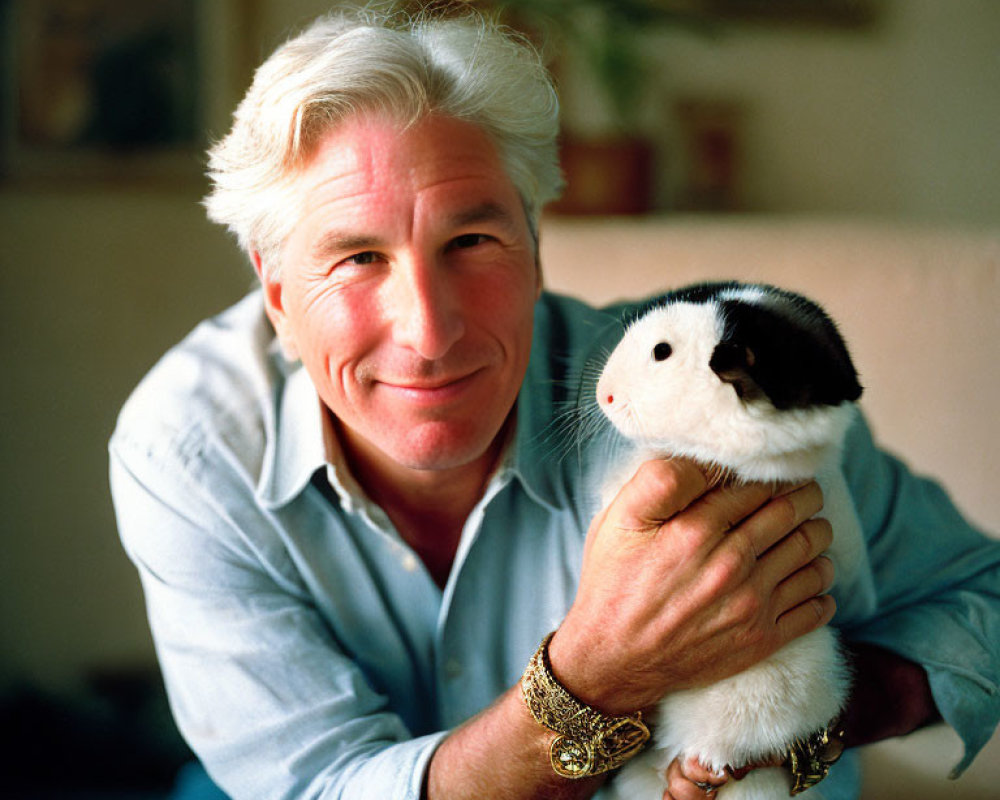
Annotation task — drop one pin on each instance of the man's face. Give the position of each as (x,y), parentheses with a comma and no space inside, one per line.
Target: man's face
(407,289)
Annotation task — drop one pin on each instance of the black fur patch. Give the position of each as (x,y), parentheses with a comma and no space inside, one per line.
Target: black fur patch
(781,345)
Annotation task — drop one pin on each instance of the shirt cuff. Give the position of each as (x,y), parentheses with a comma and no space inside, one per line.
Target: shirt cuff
(406,773)
(958,669)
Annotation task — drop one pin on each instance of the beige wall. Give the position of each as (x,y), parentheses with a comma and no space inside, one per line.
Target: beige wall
(95,285)
(899,119)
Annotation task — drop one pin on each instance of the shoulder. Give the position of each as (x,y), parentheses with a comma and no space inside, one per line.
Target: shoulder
(574,326)
(215,390)
(563,437)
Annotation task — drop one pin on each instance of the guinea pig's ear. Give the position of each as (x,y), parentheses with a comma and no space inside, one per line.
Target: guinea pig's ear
(799,358)
(733,363)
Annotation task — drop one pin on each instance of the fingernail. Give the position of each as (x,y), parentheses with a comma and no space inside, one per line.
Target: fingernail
(829,572)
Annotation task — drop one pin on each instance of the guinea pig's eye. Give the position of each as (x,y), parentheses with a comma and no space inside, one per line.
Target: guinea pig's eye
(662,351)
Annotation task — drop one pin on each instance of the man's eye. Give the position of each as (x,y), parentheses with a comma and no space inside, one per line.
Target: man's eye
(467,240)
(362,259)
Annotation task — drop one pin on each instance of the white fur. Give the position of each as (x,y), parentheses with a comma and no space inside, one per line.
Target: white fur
(679,406)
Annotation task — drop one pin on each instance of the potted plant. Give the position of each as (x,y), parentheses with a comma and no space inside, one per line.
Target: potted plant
(595,47)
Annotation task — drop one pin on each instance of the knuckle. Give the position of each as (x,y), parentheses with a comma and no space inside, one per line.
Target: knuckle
(798,541)
(689,536)
(823,533)
(744,607)
(742,543)
(728,569)
(816,536)
(801,504)
(753,641)
(818,578)
(785,510)
(659,475)
(816,605)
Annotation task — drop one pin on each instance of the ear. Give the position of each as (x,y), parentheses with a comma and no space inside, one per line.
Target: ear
(274,306)
(799,359)
(733,364)
(536,253)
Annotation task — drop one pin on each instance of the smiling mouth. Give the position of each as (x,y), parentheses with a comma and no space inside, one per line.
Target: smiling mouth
(432,391)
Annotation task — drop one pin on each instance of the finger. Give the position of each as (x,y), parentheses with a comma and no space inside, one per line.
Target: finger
(739,773)
(794,551)
(726,509)
(661,489)
(783,514)
(806,617)
(685,786)
(812,580)
(692,769)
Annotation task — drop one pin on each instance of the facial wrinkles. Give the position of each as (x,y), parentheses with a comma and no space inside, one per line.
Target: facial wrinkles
(412,250)
(394,201)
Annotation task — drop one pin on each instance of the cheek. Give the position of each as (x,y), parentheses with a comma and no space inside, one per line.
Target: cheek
(506,302)
(336,328)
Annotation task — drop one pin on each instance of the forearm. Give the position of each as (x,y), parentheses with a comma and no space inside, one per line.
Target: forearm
(501,753)
(891,697)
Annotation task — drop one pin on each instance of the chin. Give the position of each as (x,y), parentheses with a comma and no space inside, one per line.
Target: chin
(438,446)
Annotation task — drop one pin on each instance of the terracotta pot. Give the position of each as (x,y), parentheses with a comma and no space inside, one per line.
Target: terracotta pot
(608,176)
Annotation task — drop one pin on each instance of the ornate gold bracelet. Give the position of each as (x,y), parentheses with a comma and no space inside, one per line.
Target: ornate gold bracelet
(810,759)
(587,742)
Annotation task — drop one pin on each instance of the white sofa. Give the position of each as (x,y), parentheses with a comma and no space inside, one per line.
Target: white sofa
(920,309)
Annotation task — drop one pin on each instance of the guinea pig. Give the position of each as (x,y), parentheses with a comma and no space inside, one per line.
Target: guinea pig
(756,383)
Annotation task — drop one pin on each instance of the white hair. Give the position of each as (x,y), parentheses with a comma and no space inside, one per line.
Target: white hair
(364,62)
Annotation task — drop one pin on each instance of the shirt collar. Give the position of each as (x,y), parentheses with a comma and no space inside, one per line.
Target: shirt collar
(296,446)
(556,387)
(304,439)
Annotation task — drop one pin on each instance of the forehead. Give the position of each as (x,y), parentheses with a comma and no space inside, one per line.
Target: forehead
(372,156)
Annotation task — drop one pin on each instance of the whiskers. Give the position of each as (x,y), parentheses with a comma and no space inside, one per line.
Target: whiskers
(579,419)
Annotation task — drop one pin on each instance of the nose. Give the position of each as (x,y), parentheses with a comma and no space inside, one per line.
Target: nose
(428,315)
(605,392)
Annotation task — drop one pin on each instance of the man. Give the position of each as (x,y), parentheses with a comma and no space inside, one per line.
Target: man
(352,523)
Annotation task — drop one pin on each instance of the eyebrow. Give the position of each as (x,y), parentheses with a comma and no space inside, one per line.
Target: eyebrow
(484,212)
(334,242)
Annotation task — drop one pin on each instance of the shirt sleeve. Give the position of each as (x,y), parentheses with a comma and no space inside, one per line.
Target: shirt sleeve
(257,683)
(938,585)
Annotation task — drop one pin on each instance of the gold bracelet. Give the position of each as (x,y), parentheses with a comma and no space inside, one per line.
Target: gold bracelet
(587,742)
(810,759)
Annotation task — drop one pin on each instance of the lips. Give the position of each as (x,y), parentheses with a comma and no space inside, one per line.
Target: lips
(431,392)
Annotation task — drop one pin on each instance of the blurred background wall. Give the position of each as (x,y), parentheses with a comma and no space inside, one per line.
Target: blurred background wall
(106,260)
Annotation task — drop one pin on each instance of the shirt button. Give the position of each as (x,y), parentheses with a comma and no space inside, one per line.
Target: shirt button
(452,669)
(410,563)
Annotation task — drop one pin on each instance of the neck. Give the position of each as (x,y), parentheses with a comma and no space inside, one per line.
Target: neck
(428,507)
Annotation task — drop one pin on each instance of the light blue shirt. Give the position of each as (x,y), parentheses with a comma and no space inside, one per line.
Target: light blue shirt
(307,651)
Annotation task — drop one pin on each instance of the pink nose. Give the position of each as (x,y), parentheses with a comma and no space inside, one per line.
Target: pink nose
(611,399)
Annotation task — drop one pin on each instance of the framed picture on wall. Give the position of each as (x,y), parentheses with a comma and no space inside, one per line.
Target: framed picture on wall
(115,89)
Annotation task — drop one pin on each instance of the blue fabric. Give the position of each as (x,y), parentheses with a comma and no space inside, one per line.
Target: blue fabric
(193,783)
(307,651)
